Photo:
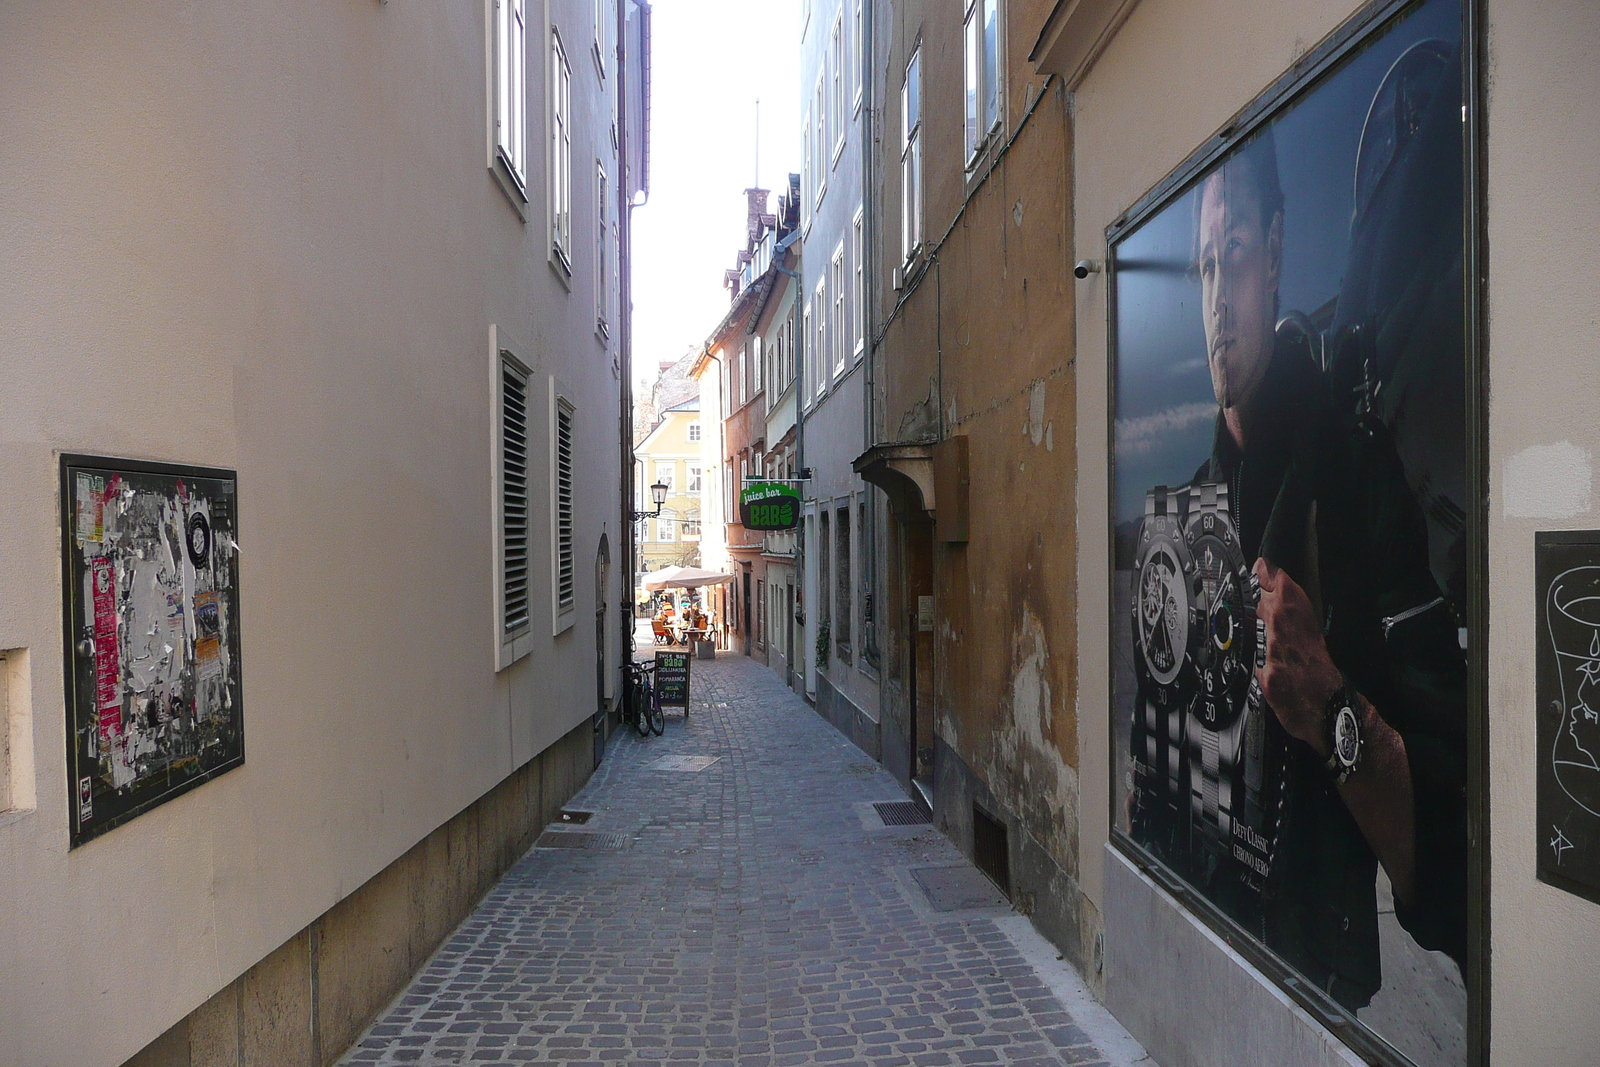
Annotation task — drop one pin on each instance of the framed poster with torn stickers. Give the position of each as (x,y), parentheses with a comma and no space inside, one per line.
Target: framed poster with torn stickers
(150,590)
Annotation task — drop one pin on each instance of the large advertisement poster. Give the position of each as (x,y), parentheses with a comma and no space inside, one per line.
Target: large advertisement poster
(152,614)
(1290,599)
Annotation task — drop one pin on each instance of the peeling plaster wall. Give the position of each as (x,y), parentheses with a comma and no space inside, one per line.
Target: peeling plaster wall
(983,347)
(263,236)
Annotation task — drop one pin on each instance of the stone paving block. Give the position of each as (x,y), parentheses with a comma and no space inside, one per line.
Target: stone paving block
(752,921)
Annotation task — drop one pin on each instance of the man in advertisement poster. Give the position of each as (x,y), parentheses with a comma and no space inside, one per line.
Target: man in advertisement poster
(1362,669)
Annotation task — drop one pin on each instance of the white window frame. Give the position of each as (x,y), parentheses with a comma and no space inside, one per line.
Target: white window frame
(911,156)
(819,347)
(695,479)
(836,282)
(666,529)
(510,95)
(693,433)
(980,36)
(602,257)
(840,80)
(858,281)
(513,638)
(820,130)
(803,364)
(808,170)
(563,518)
(666,473)
(855,58)
(604,27)
(560,156)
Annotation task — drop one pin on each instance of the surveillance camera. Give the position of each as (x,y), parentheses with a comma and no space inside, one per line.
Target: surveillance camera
(1085,268)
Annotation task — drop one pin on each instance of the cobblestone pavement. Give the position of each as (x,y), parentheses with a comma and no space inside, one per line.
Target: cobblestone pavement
(756,913)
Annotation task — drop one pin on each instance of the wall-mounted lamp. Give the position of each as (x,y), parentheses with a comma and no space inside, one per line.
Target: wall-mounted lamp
(1086,267)
(658,493)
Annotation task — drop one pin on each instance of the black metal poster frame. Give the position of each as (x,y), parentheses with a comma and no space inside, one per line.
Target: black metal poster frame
(1304,76)
(111,809)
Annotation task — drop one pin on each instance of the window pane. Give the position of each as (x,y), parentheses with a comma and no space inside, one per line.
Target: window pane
(991,66)
(914,91)
(972,76)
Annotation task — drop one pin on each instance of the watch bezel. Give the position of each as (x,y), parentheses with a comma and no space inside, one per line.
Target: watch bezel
(1344,732)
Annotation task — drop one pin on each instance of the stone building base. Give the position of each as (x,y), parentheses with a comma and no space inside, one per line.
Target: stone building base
(847,718)
(1040,888)
(1189,998)
(312,997)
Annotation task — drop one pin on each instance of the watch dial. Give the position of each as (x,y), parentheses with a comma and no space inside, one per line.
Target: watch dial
(1346,737)
(1226,657)
(1161,614)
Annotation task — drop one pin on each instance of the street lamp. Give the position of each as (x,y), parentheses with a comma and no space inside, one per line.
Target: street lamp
(658,493)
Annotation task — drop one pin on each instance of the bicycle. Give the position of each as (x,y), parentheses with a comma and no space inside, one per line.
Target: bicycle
(644,712)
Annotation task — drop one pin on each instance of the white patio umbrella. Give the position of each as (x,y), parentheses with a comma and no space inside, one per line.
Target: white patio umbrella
(683,578)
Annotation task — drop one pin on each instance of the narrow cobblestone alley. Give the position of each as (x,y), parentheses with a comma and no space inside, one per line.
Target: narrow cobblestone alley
(754,911)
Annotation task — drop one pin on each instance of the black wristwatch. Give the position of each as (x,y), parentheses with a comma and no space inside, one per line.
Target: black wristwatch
(1343,732)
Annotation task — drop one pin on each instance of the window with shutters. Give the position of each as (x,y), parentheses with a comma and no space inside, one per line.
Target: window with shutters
(513,615)
(563,574)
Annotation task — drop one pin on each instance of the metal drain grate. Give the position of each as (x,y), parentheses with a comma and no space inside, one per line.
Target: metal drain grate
(582,839)
(902,813)
(691,764)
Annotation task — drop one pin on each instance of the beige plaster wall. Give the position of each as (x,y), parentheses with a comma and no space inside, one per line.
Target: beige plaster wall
(263,236)
(1168,81)
(1544,377)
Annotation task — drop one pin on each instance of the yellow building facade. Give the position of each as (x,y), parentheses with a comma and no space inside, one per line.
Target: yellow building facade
(670,453)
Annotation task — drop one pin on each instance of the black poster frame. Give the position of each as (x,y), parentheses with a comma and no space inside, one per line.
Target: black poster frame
(69,463)
(1299,80)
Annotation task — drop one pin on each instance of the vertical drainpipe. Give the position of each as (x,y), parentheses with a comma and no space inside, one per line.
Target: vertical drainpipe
(869,229)
(625,135)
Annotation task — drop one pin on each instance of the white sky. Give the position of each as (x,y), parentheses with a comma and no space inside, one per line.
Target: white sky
(711,61)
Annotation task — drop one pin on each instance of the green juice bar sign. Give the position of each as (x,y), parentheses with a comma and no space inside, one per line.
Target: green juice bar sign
(769,506)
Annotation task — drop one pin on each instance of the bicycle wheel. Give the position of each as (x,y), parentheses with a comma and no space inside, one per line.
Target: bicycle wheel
(658,718)
(641,707)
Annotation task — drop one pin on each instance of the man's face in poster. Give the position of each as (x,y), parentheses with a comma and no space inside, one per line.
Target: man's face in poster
(1240,252)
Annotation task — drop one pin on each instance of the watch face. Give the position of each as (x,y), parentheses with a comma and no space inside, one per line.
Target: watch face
(1226,658)
(1346,736)
(1163,614)
(1161,606)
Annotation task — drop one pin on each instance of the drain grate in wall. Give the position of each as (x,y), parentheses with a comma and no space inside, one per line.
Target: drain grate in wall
(902,813)
(582,839)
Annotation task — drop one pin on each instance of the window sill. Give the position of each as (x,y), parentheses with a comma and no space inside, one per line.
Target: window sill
(564,621)
(511,649)
(561,267)
(509,185)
